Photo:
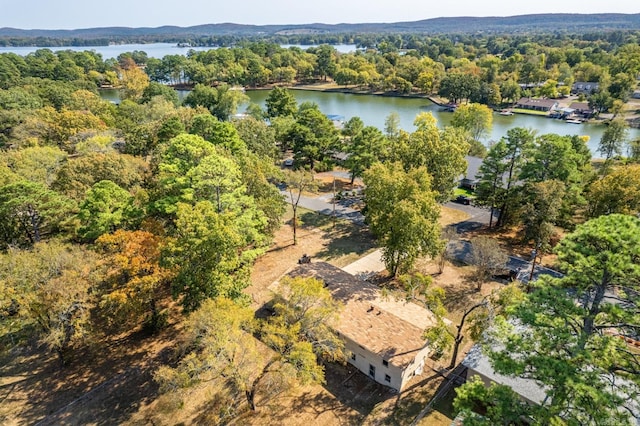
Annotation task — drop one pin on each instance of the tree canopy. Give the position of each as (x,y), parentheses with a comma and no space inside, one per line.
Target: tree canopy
(568,334)
(403,214)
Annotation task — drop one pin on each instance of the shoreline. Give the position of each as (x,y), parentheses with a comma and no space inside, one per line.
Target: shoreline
(331,87)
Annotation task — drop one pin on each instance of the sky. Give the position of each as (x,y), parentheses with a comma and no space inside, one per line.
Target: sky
(74,14)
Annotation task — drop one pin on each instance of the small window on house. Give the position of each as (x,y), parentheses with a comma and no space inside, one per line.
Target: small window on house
(385,362)
(387,378)
(372,371)
(353,356)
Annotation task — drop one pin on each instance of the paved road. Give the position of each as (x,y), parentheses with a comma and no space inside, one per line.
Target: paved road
(478,217)
(324,206)
(459,250)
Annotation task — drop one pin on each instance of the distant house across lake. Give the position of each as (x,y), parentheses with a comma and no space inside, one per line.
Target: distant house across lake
(537,104)
(585,88)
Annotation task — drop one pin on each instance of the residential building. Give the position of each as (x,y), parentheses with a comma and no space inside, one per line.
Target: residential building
(584,87)
(469,180)
(383,337)
(537,104)
(582,109)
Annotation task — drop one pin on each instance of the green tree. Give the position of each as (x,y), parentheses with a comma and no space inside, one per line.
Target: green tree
(352,127)
(392,125)
(568,335)
(106,208)
(258,173)
(510,90)
(157,89)
(442,152)
(30,212)
(259,137)
(403,214)
(518,145)
(613,139)
(212,254)
(365,148)
(541,211)
(490,190)
(499,404)
(221,101)
(600,101)
(216,178)
(476,119)
(170,128)
(618,192)
(457,86)
(217,132)
(174,161)
(313,136)
(556,157)
(325,65)
(281,102)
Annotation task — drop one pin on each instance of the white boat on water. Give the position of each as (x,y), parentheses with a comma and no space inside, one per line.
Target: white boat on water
(574,121)
(506,112)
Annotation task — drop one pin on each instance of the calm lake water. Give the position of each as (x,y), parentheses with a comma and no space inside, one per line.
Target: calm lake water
(373,110)
(153,50)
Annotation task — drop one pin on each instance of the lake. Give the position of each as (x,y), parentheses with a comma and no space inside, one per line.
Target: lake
(373,110)
(153,50)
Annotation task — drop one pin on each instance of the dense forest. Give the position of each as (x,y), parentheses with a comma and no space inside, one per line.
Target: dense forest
(151,213)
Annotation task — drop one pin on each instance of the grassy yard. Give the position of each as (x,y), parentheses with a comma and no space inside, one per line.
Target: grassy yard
(529,111)
(463,191)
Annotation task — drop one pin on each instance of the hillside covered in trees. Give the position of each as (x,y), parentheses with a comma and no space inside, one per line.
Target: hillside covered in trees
(324,33)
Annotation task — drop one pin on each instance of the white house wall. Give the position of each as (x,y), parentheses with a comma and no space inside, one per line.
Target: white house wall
(398,376)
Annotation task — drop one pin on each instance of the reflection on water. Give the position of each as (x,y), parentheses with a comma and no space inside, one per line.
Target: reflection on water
(373,110)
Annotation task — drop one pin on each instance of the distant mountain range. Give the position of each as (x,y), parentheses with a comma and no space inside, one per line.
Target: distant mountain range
(512,24)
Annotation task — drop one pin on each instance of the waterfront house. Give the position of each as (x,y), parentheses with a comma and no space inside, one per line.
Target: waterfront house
(383,337)
(582,109)
(537,104)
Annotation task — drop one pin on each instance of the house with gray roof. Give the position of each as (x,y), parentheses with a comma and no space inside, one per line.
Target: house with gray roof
(584,87)
(479,365)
